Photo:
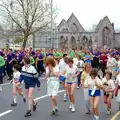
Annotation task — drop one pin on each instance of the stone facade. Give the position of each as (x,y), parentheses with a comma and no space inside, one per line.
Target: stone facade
(72,34)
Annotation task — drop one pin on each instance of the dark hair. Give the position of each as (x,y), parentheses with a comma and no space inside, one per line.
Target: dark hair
(17,67)
(27,59)
(64,55)
(109,73)
(70,60)
(94,72)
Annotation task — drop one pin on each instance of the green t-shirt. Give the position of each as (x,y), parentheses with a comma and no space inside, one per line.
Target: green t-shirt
(32,61)
(82,55)
(2,61)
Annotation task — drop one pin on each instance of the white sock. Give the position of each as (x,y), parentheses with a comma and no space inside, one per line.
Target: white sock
(15,99)
(97,117)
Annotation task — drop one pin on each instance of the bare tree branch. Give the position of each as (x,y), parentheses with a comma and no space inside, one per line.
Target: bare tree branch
(29,15)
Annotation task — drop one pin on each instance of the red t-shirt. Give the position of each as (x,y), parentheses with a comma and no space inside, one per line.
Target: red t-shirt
(103,59)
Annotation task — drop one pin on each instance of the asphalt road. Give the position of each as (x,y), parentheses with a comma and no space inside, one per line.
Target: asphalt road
(44,106)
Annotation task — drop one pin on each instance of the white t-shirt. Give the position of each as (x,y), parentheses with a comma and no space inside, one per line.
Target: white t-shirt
(110,83)
(69,72)
(81,63)
(118,79)
(16,76)
(75,61)
(29,69)
(62,66)
(89,81)
(53,72)
(111,62)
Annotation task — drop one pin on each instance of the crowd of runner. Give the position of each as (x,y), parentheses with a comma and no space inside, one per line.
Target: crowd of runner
(93,71)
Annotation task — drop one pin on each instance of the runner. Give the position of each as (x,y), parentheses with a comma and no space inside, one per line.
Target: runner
(71,72)
(30,77)
(109,88)
(94,84)
(16,77)
(52,75)
(86,73)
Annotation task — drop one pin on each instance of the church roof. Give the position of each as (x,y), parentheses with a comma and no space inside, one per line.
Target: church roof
(73,16)
(62,22)
(101,22)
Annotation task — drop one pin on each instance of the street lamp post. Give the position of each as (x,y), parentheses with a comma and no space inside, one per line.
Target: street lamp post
(51,23)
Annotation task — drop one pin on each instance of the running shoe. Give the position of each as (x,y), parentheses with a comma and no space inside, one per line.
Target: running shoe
(65,97)
(108,112)
(28,113)
(88,112)
(53,112)
(56,110)
(70,107)
(34,107)
(24,100)
(13,104)
(78,87)
(73,109)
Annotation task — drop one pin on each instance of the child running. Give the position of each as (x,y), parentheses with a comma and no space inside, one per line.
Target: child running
(16,76)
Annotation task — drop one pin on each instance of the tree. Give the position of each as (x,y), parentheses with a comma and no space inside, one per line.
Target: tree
(18,40)
(28,15)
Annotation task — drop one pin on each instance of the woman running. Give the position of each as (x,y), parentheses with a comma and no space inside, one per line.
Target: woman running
(16,77)
(71,73)
(85,73)
(30,77)
(52,75)
(108,91)
(94,84)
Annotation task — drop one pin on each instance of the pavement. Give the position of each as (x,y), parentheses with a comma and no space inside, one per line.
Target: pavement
(44,106)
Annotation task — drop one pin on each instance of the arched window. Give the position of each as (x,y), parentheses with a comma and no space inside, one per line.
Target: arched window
(73,42)
(74,28)
(62,40)
(85,42)
(106,35)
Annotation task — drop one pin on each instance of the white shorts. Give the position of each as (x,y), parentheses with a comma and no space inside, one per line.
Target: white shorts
(53,87)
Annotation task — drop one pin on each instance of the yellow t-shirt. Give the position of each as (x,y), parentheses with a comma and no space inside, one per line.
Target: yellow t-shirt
(84,75)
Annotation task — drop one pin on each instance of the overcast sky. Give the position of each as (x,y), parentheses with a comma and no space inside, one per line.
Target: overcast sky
(89,12)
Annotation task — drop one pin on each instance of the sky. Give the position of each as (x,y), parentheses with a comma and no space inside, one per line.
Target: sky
(89,12)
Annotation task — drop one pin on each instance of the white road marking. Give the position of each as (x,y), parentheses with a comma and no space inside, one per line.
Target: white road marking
(36,99)
(5,84)
(4,113)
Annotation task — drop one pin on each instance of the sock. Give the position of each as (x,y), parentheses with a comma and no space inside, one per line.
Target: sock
(15,99)
(56,107)
(97,117)
(53,109)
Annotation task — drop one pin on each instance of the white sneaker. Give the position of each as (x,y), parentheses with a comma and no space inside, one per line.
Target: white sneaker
(78,87)
(70,107)
(65,97)
(73,108)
